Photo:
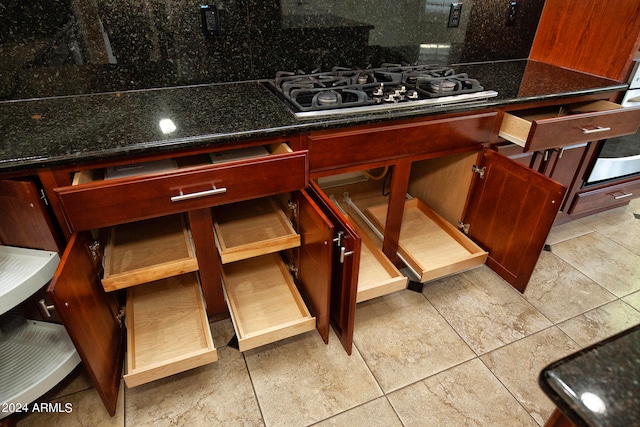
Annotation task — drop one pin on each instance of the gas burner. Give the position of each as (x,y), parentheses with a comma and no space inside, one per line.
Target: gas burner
(346,90)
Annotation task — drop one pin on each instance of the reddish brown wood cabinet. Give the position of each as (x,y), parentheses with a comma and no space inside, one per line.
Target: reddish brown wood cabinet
(300,276)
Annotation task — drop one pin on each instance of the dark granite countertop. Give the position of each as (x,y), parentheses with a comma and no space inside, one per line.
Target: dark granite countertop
(599,385)
(72,129)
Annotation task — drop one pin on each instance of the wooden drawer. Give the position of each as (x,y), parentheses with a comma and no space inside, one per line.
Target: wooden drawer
(263,300)
(103,203)
(556,126)
(377,276)
(431,246)
(362,145)
(252,228)
(149,250)
(167,329)
(606,197)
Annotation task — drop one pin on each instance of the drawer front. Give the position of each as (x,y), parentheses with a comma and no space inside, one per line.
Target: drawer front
(105,203)
(603,198)
(592,122)
(362,145)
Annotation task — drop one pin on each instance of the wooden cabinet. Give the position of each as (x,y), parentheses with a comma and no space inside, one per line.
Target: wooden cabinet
(37,353)
(268,257)
(559,142)
(410,207)
(586,39)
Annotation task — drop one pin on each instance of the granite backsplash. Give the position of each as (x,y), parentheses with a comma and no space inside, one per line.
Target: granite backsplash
(69,47)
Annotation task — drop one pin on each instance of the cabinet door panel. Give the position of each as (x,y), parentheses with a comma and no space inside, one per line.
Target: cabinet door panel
(510,213)
(314,260)
(25,222)
(344,270)
(88,316)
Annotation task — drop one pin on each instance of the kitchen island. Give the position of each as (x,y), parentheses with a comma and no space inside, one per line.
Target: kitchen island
(599,385)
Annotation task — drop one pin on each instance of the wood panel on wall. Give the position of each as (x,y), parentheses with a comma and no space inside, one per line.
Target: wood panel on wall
(595,36)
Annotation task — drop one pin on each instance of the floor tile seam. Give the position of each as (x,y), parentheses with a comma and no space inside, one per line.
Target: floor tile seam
(449,323)
(418,381)
(616,298)
(604,236)
(517,340)
(253,388)
(593,279)
(366,364)
(356,407)
(519,295)
(515,398)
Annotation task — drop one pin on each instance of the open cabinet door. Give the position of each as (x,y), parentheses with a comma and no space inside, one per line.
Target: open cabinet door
(25,221)
(87,313)
(314,260)
(510,213)
(345,264)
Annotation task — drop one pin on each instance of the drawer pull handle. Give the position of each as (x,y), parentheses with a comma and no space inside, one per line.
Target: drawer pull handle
(198,194)
(595,129)
(344,253)
(621,195)
(45,309)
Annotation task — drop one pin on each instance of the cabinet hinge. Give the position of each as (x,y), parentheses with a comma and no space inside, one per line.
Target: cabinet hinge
(464,227)
(479,170)
(294,208)
(338,238)
(43,197)
(294,271)
(94,248)
(120,317)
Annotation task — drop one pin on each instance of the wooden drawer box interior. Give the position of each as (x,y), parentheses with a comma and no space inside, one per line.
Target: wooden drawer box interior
(263,300)
(550,127)
(148,250)
(432,246)
(252,228)
(377,276)
(167,329)
(351,193)
(165,165)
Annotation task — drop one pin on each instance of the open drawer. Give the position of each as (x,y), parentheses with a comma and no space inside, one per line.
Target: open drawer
(549,127)
(167,329)
(263,300)
(198,182)
(252,228)
(377,275)
(350,194)
(428,243)
(144,251)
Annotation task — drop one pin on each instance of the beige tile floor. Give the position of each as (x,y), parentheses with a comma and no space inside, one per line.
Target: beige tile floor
(465,352)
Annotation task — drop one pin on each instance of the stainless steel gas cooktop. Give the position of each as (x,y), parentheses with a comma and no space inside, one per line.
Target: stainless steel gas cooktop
(348,90)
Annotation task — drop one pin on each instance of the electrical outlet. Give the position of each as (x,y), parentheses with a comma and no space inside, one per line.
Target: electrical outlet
(512,12)
(455,13)
(210,20)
